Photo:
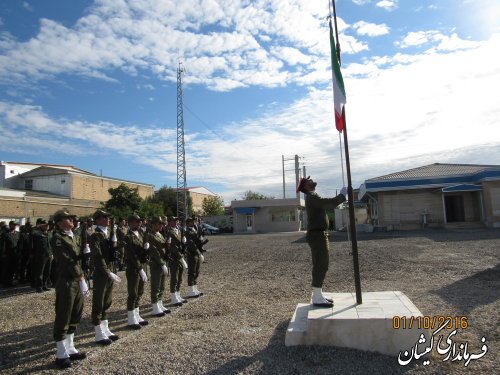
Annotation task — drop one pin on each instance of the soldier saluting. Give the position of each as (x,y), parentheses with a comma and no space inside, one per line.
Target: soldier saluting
(317,235)
(102,249)
(70,289)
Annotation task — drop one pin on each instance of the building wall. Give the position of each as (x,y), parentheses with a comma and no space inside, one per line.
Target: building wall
(405,208)
(34,207)
(96,188)
(491,199)
(270,219)
(56,184)
(197,199)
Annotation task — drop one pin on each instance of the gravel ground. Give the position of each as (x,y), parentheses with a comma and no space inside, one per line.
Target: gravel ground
(252,285)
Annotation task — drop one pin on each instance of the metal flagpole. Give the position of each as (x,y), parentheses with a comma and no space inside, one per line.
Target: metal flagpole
(352,219)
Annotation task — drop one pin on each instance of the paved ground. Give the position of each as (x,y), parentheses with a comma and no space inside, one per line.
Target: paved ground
(252,285)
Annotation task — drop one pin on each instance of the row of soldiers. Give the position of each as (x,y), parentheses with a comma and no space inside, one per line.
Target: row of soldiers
(26,256)
(164,249)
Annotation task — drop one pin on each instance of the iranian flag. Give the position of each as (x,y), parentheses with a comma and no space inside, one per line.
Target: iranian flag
(338,85)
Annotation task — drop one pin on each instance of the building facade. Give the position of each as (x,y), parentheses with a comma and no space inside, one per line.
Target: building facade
(268,215)
(435,195)
(30,191)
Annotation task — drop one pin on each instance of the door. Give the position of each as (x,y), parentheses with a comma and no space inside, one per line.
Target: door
(249,223)
(454,206)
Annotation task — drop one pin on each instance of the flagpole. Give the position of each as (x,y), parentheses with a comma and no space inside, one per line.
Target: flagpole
(352,218)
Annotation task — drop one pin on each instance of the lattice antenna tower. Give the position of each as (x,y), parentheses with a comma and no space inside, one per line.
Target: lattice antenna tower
(182,208)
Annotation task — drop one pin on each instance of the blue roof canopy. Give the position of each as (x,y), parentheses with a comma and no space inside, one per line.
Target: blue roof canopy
(463,187)
(245,210)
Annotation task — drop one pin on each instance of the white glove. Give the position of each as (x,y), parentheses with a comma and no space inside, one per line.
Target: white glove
(169,240)
(86,249)
(343,191)
(114,277)
(165,270)
(183,263)
(146,245)
(184,239)
(202,258)
(143,276)
(84,288)
(114,239)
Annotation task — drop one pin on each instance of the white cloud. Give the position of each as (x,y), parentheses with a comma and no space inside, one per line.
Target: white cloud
(225,44)
(404,111)
(441,41)
(361,2)
(370,29)
(388,5)
(27,6)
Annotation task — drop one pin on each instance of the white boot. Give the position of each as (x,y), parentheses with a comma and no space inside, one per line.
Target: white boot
(100,336)
(180,298)
(196,290)
(319,300)
(141,321)
(132,322)
(174,300)
(62,350)
(192,292)
(157,310)
(62,356)
(163,308)
(71,350)
(107,332)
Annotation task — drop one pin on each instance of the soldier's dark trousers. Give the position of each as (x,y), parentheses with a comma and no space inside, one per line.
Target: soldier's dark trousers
(23,267)
(176,271)
(193,261)
(42,271)
(69,307)
(318,242)
(102,297)
(9,268)
(135,288)
(157,283)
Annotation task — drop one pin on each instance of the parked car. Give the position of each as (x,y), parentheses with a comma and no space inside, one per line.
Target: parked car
(208,229)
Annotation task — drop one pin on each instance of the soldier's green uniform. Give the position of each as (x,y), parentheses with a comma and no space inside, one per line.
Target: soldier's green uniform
(42,259)
(175,255)
(102,292)
(157,254)
(136,261)
(193,245)
(317,232)
(69,299)
(121,232)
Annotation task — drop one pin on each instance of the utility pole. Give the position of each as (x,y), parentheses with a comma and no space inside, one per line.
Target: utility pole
(297,172)
(283,168)
(182,209)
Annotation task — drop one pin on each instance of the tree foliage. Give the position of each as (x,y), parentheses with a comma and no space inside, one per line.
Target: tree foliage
(213,206)
(124,201)
(253,195)
(167,197)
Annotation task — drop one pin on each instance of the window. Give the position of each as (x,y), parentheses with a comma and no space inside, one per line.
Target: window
(63,181)
(283,215)
(28,184)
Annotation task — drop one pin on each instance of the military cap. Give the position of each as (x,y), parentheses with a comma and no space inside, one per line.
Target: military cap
(62,214)
(100,213)
(302,181)
(156,220)
(173,218)
(134,217)
(12,222)
(42,222)
(38,220)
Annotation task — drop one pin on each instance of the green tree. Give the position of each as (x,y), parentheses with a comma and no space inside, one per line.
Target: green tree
(167,197)
(252,195)
(124,201)
(213,206)
(149,208)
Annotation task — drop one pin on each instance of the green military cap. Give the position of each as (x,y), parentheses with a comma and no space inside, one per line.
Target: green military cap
(100,213)
(156,220)
(134,217)
(62,214)
(172,218)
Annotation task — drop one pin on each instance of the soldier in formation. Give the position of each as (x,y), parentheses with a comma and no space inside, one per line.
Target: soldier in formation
(102,250)
(71,289)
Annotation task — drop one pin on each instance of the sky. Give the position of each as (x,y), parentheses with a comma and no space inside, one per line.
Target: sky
(93,84)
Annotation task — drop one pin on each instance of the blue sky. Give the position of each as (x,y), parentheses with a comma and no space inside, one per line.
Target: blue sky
(93,84)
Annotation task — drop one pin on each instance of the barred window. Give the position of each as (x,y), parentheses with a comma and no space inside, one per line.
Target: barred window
(28,184)
(283,215)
